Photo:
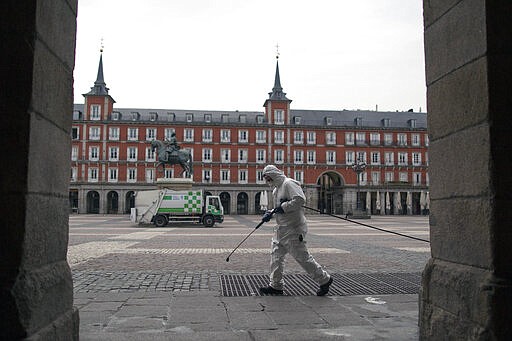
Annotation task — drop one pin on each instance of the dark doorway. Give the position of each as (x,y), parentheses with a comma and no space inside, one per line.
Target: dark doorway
(330,195)
(73,200)
(112,202)
(225,200)
(129,201)
(93,202)
(242,202)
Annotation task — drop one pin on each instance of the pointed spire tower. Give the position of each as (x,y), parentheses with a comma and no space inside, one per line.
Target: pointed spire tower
(277,106)
(98,103)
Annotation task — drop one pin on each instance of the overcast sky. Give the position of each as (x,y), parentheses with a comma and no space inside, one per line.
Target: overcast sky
(220,55)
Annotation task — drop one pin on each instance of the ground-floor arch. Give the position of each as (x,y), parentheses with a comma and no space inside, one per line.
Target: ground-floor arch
(225,200)
(93,202)
(242,203)
(330,193)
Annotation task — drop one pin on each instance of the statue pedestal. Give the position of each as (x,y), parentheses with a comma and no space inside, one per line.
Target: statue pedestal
(176,184)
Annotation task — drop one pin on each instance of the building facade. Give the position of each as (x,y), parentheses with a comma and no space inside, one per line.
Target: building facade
(112,158)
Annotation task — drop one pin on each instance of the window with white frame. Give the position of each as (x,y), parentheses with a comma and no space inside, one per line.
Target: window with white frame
(189,135)
(207,175)
(416,159)
(260,119)
(113,133)
(278,156)
(311,139)
(168,173)
(361,156)
(298,175)
(403,177)
(261,136)
(389,176)
(402,159)
(278,117)
(259,177)
(153,116)
(94,133)
(95,112)
(207,155)
(75,133)
(94,153)
(416,179)
(133,134)
(311,157)
(363,178)
(131,154)
(330,137)
(224,176)
(278,136)
(299,157)
(74,153)
(374,139)
(242,118)
(260,156)
(168,132)
(427,179)
(401,139)
(207,135)
(150,155)
(386,122)
(225,135)
(207,118)
(171,117)
(388,139)
(298,137)
(93,174)
(375,158)
(426,158)
(328,121)
(375,178)
(189,117)
(349,158)
(135,116)
(74,172)
(360,138)
(224,118)
(358,121)
(150,175)
(349,139)
(426,140)
(297,119)
(112,175)
(330,157)
(243,136)
(150,134)
(113,153)
(225,155)
(242,155)
(131,176)
(242,176)
(389,158)
(415,139)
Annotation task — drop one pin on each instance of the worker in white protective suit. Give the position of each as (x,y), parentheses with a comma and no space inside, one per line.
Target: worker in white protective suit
(290,233)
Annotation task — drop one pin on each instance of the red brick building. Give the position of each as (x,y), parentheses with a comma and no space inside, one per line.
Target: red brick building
(111,155)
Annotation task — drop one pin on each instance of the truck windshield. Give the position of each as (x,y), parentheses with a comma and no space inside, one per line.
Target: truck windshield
(215,203)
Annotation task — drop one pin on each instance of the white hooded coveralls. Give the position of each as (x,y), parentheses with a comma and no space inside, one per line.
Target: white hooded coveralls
(290,231)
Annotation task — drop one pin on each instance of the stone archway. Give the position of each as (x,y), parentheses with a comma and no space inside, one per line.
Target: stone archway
(129,201)
(112,202)
(242,203)
(330,192)
(93,202)
(225,200)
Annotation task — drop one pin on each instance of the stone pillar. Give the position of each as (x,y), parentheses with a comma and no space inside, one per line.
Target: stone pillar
(467,284)
(37,40)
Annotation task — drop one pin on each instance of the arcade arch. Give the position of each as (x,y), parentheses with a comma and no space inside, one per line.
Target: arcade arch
(330,192)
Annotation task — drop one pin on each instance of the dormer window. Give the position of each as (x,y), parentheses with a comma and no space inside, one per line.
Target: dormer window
(328,121)
(278,117)
(135,116)
(116,115)
(77,115)
(260,119)
(386,122)
(297,119)
(358,121)
(412,123)
(153,116)
(242,118)
(171,117)
(207,118)
(190,117)
(225,118)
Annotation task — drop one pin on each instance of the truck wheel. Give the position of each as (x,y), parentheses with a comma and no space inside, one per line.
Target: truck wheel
(160,220)
(208,221)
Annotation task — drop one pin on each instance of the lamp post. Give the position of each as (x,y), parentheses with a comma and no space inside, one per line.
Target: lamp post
(359,167)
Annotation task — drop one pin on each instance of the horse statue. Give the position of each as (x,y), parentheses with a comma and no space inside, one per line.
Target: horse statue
(172,156)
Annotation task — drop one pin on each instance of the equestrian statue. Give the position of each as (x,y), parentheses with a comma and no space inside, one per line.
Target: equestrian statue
(169,153)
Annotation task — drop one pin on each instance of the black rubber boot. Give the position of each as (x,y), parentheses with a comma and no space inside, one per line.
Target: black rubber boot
(271,291)
(324,288)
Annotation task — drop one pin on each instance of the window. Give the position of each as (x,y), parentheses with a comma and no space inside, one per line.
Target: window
(168,132)
(361,156)
(298,137)
(278,117)
(113,153)
(412,123)
(93,153)
(361,138)
(299,176)
(225,135)
(375,178)
(416,179)
(358,121)
(153,116)
(260,119)
(207,135)
(94,133)
(259,177)
(243,136)
(403,177)
(75,133)
(77,115)
(349,139)
(150,175)
(389,159)
(386,122)
(416,159)
(74,172)
(426,159)
(426,140)
(242,176)
(135,116)
(401,139)
(93,174)
(189,117)
(150,134)
(132,175)
(297,119)
(402,159)
(390,176)
(133,134)
(278,136)
(311,137)
(299,156)
(330,157)
(207,175)
(374,139)
(207,118)
(113,133)
(415,139)
(224,118)
(261,136)
(189,135)
(74,153)
(171,117)
(278,156)
(328,121)
(260,156)
(116,116)
(132,154)
(330,137)
(375,158)
(112,175)
(311,157)
(388,139)
(207,155)
(225,155)
(349,158)
(168,173)
(242,118)
(242,155)
(95,112)
(150,155)
(224,176)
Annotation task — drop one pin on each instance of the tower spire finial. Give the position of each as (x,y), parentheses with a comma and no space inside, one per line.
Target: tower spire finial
(277,51)
(101,45)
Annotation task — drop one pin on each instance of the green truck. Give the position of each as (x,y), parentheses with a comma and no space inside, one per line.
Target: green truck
(161,207)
